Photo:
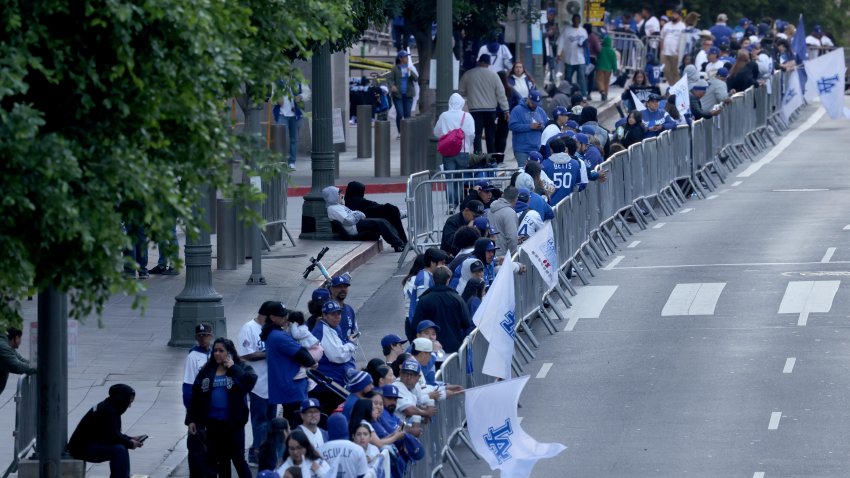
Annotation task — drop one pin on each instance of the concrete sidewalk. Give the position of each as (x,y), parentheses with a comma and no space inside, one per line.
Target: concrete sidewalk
(131,346)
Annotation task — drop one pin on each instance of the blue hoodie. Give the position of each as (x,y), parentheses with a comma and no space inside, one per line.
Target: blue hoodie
(537,203)
(593,157)
(526,139)
(655,118)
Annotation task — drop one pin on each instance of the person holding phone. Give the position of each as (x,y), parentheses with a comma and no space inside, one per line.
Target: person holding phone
(219,402)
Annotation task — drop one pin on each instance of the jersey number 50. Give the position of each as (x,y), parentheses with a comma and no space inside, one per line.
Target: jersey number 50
(562,180)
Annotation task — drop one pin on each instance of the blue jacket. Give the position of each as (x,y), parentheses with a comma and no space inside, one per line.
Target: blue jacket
(526,139)
(280,356)
(565,172)
(655,118)
(593,157)
(539,204)
(721,32)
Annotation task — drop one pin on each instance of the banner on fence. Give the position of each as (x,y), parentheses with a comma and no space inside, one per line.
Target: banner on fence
(683,99)
(826,77)
(543,253)
(638,103)
(495,431)
(793,97)
(496,320)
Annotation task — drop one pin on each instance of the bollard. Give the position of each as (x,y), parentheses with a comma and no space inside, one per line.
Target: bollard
(382,149)
(407,146)
(226,237)
(364,131)
(211,215)
(421,138)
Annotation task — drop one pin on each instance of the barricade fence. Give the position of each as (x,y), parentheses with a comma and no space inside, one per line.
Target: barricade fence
(650,177)
(26,416)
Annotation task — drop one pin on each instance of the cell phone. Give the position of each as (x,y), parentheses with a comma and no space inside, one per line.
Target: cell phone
(143,438)
(355,335)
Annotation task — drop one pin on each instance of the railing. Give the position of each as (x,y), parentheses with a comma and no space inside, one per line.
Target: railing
(652,177)
(26,403)
(632,51)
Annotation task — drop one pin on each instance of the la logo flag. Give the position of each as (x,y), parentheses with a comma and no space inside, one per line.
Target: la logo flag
(683,99)
(793,97)
(496,433)
(826,78)
(495,320)
(638,103)
(543,254)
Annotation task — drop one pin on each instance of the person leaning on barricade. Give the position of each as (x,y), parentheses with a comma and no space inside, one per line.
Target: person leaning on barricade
(465,217)
(717,93)
(10,360)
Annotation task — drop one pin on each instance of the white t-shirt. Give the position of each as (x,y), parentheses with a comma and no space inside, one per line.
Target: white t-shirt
(502,60)
(317,439)
(652,25)
(408,398)
(672,36)
(571,45)
(194,362)
(249,342)
(346,458)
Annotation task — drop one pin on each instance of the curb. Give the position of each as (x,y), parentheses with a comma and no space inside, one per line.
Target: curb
(380,188)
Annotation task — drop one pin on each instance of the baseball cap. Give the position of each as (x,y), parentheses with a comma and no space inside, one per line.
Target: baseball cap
(588,130)
(524,195)
(476,206)
(700,85)
(665,18)
(203,328)
(572,124)
(342,279)
(560,111)
(321,295)
(402,54)
(427,324)
(535,156)
(654,97)
(722,17)
(817,29)
(743,21)
(552,10)
(331,307)
(491,246)
(723,72)
(308,404)
(389,391)
(582,138)
(423,345)
(476,266)
(391,339)
(481,223)
(411,366)
(484,58)
(485,185)
(714,51)
(277,309)
(534,96)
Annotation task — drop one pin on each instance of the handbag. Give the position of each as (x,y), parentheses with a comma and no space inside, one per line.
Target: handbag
(451,143)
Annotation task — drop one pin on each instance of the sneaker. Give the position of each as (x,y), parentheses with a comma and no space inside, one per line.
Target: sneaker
(159,269)
(143,275)
(292,167)
(170,271)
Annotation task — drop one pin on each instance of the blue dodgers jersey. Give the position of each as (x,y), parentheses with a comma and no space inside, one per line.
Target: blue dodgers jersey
(565,176)
(348,324)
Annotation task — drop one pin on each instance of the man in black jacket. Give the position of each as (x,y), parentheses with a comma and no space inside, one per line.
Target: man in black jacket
(98,436)
(474,208)
(444,306)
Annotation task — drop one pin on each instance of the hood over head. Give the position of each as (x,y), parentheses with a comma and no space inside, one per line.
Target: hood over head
(692,74)
(606,42)
(355,189)
(588,113)
(331,195)
(480,250)
(524,180)
(456,102)
(337,427)
(121,395)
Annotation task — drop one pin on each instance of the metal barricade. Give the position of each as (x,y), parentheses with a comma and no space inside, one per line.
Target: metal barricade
(26,416)
(632,51)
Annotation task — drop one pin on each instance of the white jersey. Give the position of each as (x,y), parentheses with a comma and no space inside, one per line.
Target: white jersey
(249,342)
(194,362)
(531,223)
(316,439)
(346,459)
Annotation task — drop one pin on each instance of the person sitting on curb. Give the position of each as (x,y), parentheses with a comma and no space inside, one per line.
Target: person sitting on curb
(355,199)
(355,222)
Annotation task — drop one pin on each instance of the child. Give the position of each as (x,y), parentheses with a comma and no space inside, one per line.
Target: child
(302,334)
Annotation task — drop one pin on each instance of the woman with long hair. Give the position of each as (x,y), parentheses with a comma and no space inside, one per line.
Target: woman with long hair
(219,404)
(473,293)
(633,130)
(640,87)
(272,449)
(364,411)
(670,108)
(363,436)
(302,454)
(520,82)
(743,74)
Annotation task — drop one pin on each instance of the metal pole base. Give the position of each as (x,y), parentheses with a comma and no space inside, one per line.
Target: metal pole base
(256,279)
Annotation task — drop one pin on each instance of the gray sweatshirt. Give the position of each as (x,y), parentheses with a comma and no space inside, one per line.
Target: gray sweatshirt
(503,217)
(483,90)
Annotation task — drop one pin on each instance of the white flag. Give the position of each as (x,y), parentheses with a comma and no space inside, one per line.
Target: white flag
(638,103)
(683,100)
(496,433)
(826,77)
(543,253)
(495,319)
(793,97)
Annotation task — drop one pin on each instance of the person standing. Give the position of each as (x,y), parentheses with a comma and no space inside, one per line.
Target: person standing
(219,403)
(527,122)
(671,37)
(401,82)
(98,437)
(443,305)
(452,119)
(339,354)
(571,51)
(289,111)
(500,55)
(252,349)
(484,92)
(10,360)
(339,292)
(199,355)
(720,31)
(504,219)
(606,64)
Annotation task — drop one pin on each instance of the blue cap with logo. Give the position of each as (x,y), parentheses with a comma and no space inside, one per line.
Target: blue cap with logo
(308,404)
(572,124)
(331,307)
(342,279)
(588,130)
(560,111)
(321,295)
(723,72)
(427,324)
(535,156)
(534,96)
(411,366)
(389,391)
(391,339)
(485,185)
(582,138)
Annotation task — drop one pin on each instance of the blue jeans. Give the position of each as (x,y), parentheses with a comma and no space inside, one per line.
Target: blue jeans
(582,77)
(292,126)
(117,456)
(163,259)
(403,107)
(261,413)
(139,251)
(455,163)
(521,159)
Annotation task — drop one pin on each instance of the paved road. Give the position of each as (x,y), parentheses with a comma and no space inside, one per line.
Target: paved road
(722,346)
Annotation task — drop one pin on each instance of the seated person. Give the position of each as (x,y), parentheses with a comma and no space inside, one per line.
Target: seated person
(481,191)
(655,119)
(355,200)
(355,222)
(472,210)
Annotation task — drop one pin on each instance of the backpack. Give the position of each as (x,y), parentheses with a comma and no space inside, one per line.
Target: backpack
(451,143)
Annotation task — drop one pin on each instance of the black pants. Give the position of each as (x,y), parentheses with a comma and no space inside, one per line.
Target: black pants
(327,398)
(382,227)
(501,141)
(391,214)
(197,446)
(117,456)
(486,121)
(225,444)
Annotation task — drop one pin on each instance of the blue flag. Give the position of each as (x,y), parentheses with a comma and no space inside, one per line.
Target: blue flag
(801,53)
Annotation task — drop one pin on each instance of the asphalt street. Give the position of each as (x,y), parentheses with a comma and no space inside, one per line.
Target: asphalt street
(718,345)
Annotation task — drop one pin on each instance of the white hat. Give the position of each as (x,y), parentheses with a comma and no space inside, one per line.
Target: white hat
(423,345)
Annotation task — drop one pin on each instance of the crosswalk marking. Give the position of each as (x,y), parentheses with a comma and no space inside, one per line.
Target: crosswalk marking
(693,299)
(805,297)
(828,256)
(613,263)
(588,304)
(774,420)
(789,365)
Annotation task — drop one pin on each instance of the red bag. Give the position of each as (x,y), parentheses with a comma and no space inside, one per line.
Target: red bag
(451,143)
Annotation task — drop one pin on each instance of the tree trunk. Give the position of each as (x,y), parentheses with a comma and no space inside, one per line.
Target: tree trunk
(425,48)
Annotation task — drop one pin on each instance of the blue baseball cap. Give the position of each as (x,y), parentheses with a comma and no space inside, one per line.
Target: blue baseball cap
(308,404)
(485,185)
(411,366)
(582,138)
(321,295)
(534,96)
(560,111)
(427,324)
(714,51)
(343,279)
(588,130)
(331,307)
(481,223)
(743,21)
(491,246)
(524,195)
(391,339)
(535,156)
(268,474)
(723,72)
(389,391)
(403,53)
(817,29)
(572,124)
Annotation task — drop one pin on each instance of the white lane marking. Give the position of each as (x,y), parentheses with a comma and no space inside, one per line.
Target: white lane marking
(774,420)
(589,304)
(803,190)
(723,191)
(693,299)
(633,245)
(736,184)
(613,263)
(847,227)
(805,297)
(739,264)
(686,210)
(544,370)
(826,257)
(659,225)
(789,365)
(758,474)
(779,148)
(713,196)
